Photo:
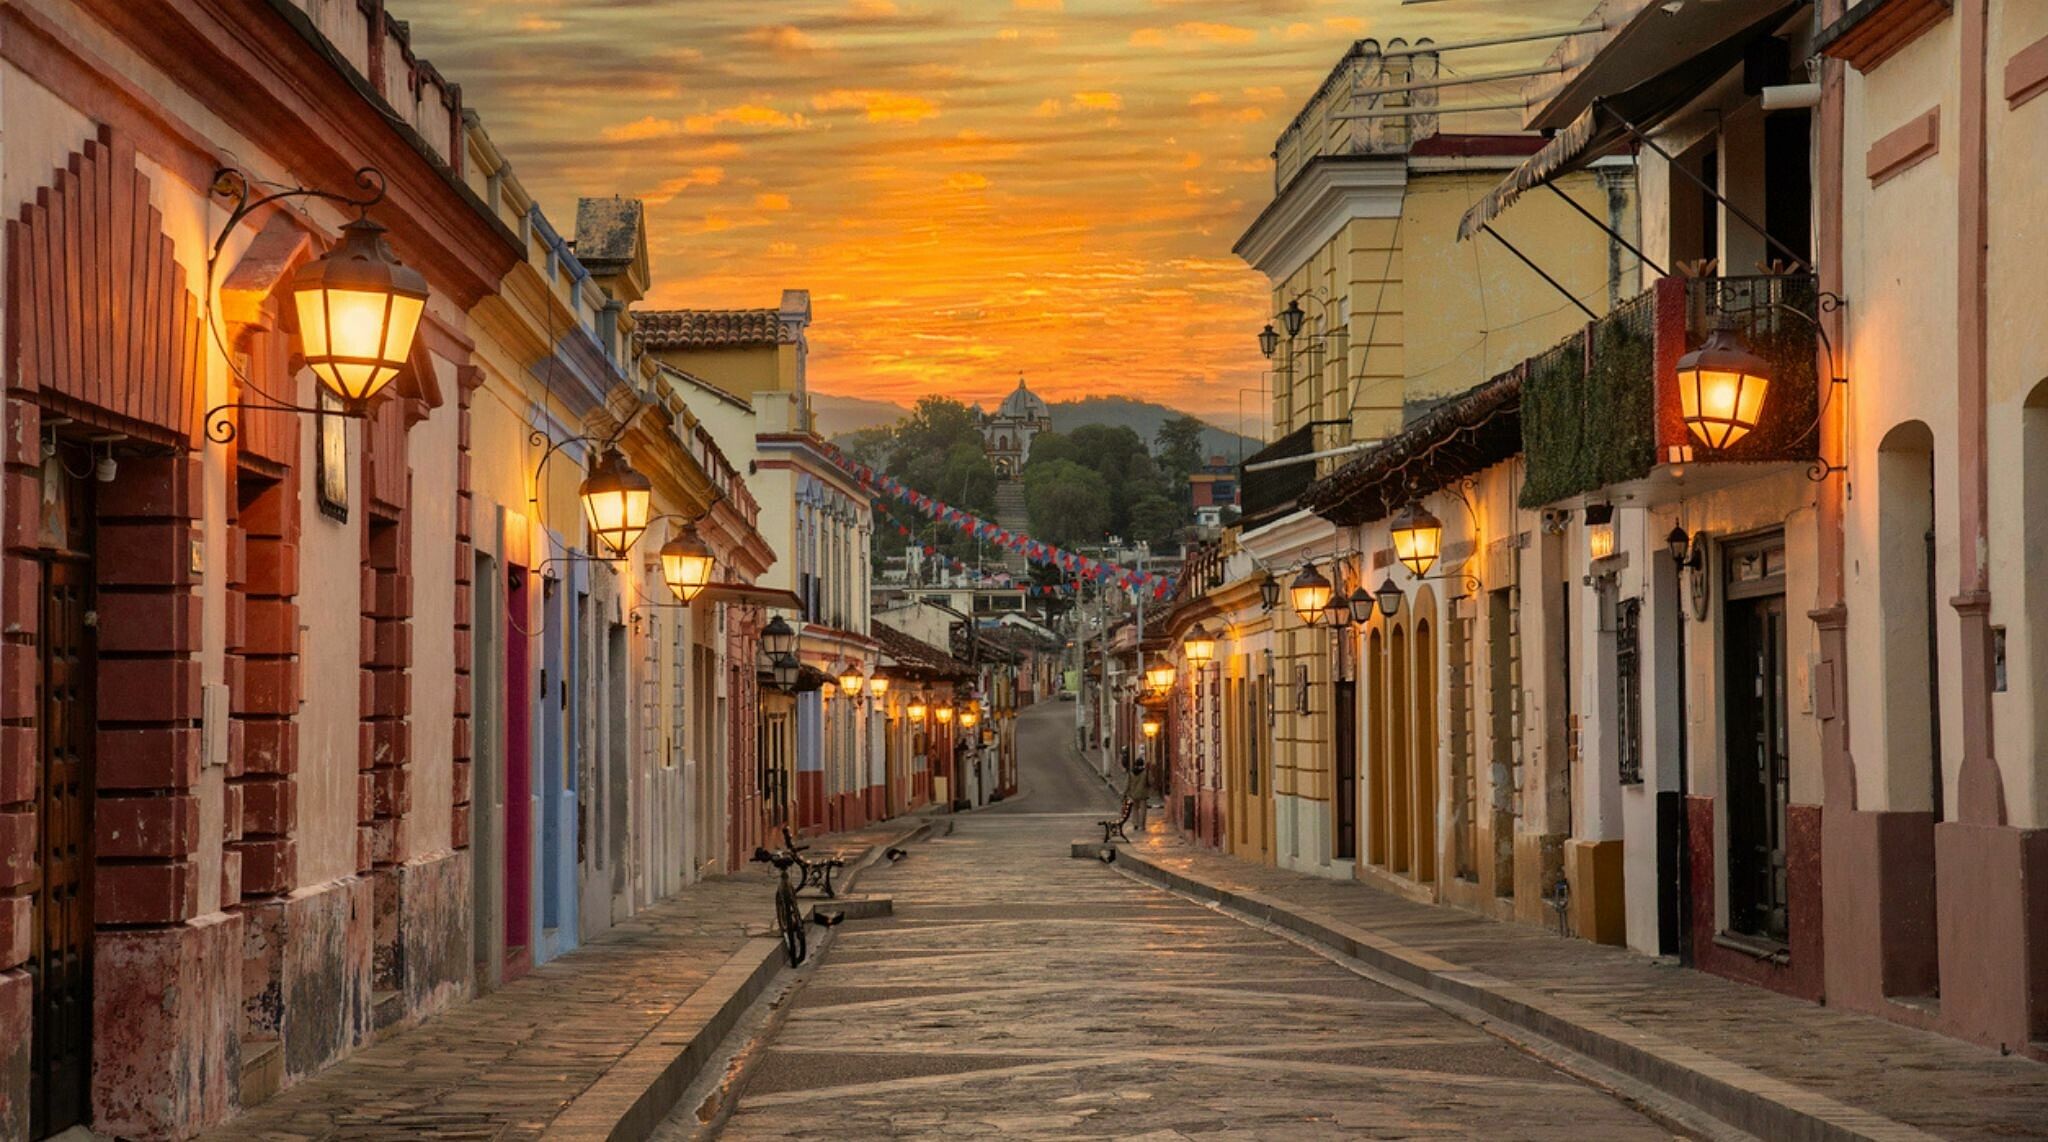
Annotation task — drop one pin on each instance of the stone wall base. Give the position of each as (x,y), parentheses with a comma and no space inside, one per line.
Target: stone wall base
(433,964)
(1598,906)
(167,1052)
(306,973)
(1539,865)
(1993,914)
(1879,866)
(16,1013)
(1802,970)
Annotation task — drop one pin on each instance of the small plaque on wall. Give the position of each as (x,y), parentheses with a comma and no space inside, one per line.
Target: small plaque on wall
(330,430)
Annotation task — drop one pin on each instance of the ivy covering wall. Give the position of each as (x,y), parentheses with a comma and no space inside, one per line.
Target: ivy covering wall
(1586,424)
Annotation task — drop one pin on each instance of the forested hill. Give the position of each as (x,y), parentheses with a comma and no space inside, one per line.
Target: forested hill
(840,416)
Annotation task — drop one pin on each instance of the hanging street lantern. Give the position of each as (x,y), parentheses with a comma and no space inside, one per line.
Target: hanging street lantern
(1269,340)
(786,670)
(1269,592)
(778,637)
(1159,676)
(1599,541)
(1362,603)
(878,686)
(615,499)
(1199,646)
(1337,612)
(1418,538)
(686,564)
(945,715)
(1309,594)
(850,678)
(1292,317)
(968,718)
(358,308)
(917,708)
(1721,387)
(1150,726)
(1390,597)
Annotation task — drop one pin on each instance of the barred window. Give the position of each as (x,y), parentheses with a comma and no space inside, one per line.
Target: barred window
(1628,655)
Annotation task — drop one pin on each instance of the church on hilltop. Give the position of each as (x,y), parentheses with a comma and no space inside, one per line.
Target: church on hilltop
(1007,433)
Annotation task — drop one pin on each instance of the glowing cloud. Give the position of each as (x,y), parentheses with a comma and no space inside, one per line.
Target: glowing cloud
(878,106)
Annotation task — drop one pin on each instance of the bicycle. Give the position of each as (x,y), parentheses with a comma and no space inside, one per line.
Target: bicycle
(818,872)
(788,917)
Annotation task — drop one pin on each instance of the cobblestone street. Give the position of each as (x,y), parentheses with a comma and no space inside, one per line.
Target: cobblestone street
(1019,992)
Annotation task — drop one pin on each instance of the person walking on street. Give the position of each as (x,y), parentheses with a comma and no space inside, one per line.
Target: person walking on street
(1138,791)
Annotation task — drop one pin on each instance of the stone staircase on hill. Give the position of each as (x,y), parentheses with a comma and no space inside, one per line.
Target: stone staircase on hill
(1013,516)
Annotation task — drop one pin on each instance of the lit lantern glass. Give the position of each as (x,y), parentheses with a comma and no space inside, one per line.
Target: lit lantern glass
(1200,647)
(686,565)
(1721,387)
(968,718)
(916,710)
(358,309)
(1159,676)
(1150,726)
(615,500)
(878,686)
(1599,540)
(850,679)
(945,715)
(1310,595)
(1418,538)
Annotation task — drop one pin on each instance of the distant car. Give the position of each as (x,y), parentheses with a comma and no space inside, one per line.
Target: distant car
(1066,695)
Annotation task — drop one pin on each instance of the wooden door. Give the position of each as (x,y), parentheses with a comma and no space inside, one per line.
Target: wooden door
(60,963)
(1758,774)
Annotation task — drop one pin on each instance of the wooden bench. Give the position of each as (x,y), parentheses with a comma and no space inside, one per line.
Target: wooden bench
(1116,828)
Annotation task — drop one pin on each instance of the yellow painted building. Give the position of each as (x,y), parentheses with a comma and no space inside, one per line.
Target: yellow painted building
(1379,313)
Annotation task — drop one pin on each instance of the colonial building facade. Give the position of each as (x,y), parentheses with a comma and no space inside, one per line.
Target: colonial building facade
(1707,630)
(325,716)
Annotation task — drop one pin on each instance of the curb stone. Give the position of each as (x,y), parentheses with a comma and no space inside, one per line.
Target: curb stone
(639,1091)
(1737,1095)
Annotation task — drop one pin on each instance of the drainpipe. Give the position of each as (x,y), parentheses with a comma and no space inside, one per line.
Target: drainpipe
(1831,612)
(1980,793)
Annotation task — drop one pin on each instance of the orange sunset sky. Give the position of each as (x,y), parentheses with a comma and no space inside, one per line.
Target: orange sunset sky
(969,189)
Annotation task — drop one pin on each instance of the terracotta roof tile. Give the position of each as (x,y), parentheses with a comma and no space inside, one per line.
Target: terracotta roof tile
(708,328)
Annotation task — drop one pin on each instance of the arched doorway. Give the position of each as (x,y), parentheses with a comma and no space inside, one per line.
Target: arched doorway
(1909,597)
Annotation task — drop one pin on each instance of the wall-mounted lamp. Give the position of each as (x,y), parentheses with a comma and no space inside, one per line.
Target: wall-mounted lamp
(1199,646)
(358,306)
(616,501)
(1361,603)
(1150,727)
(850,679)
(878,687)
(1721,388)
(1309,594)
(1269,340)
(1160,675)
(686,564)
(1418,538)
(1269,592)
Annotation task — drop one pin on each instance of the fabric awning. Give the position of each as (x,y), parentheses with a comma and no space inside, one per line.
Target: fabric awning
(774,598)
(1603,126)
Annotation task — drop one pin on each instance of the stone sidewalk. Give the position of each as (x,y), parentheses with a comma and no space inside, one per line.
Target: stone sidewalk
(507,1064)
(1734,1050)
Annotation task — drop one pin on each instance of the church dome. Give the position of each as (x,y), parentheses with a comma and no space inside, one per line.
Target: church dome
(1024,405)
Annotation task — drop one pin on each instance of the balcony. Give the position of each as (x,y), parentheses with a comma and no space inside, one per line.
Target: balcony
(1601,409)
(1266,494)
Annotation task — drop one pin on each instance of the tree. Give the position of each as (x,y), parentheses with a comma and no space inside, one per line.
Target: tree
(1179,444)
(1068,503)
(1157,520)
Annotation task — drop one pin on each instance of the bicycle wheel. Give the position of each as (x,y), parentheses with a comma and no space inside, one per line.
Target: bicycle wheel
(791,921)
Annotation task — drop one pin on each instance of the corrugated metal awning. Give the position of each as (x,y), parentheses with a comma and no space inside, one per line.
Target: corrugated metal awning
(1604,125)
